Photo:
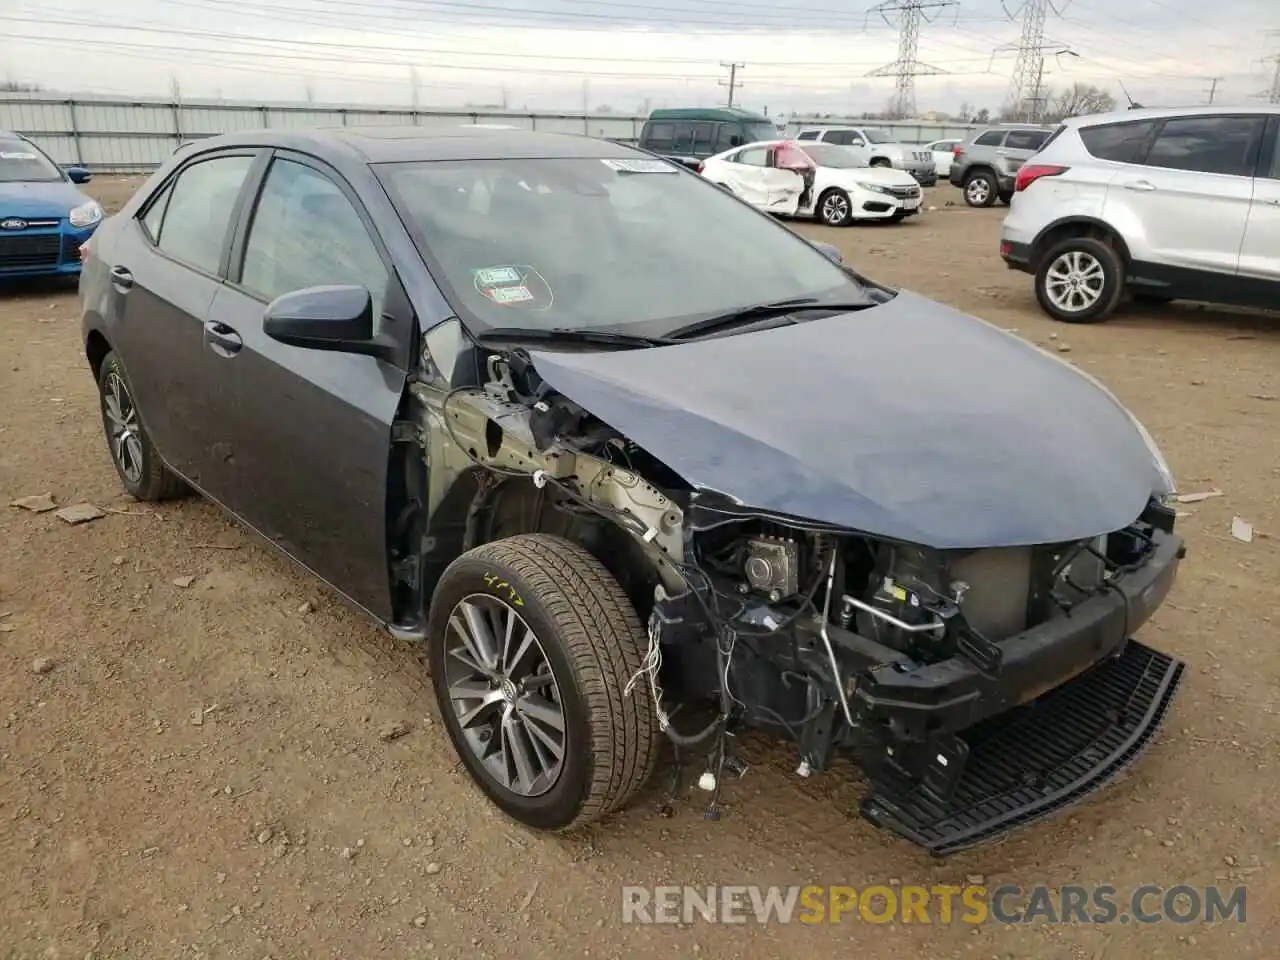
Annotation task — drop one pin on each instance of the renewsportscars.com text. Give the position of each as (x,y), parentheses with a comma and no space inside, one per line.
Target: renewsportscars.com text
(939,903)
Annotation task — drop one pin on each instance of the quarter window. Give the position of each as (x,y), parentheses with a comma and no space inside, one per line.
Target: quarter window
(1026,139)
(1209,144)
(306,233)
(198,211)
(808,135)
(992,138)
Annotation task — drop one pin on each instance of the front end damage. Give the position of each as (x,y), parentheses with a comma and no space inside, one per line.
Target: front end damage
(978,689)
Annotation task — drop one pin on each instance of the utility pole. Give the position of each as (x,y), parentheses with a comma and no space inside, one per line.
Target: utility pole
(1213,87)
(1274,95)
(1026,89)
(733,83)
(908,15)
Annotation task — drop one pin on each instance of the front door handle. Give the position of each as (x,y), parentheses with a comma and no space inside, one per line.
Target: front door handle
(223,340)
(121,279)
(1143,185)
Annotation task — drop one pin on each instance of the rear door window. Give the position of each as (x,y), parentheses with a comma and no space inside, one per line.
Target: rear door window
(808,135)
(754,156)
(1209,144)
(1119,142)
(703,137)
(199,209)
(727,135)
(841,137)
(658,136)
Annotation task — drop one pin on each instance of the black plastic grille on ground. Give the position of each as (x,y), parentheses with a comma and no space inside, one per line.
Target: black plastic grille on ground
(1043,757)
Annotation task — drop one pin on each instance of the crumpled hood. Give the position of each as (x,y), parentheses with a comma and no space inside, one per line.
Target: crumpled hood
(39,200)
(909,421)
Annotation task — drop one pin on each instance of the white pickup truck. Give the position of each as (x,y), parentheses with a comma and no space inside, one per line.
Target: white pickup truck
(879,149)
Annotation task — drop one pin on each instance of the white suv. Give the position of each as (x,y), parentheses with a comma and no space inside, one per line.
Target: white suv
(1160,204)
(879,148)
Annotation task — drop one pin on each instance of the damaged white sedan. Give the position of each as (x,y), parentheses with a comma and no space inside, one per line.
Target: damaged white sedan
(835,187)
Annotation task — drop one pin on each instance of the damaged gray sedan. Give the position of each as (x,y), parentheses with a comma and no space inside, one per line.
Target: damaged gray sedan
(640,466)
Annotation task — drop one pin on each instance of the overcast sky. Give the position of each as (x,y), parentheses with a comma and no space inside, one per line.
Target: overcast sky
(627,54)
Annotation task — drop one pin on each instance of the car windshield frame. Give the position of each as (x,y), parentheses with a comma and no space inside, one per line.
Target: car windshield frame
(26,147)
(849,159)
(844,282)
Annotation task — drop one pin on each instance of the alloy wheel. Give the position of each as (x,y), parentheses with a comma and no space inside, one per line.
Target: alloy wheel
(505,695)
(1075,281)
(835,208)
(122,427)
(978,191)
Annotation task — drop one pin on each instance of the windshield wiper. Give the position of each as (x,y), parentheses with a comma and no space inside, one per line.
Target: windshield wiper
(595,338)
(764,311)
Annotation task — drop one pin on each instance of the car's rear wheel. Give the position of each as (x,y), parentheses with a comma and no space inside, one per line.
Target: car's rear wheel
(981,189)
(532,644)
(835,209)
(1079,280)
(141,471)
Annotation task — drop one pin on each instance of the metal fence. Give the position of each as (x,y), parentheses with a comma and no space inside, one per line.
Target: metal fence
(113,134)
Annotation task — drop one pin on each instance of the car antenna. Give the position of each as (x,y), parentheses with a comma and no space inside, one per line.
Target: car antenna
(1133,105)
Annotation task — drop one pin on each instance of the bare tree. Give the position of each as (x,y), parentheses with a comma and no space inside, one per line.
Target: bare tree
(1077,100)
(982,116)
(19,86)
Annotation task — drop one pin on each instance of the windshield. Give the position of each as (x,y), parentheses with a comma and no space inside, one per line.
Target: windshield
(632,245)
(761,131)
(879,136)
(834,157)
(20,162)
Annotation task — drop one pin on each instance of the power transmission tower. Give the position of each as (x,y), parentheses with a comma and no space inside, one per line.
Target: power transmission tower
(733,83)
(1026,89)
(909,15)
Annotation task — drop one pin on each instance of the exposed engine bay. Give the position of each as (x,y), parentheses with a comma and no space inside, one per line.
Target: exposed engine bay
(889,653)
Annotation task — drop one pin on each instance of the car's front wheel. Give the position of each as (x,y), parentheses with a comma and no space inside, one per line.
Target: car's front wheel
(141,471)
(981,189)
(532,645)
(1080,280)
(835,209)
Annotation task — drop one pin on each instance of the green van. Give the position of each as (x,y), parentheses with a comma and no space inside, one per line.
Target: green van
(689,135)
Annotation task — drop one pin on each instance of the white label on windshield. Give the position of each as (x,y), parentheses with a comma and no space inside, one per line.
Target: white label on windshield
(639,166)
(510,294)
(491,276)
(18,156)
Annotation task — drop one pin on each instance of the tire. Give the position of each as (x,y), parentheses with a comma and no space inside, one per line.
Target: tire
(590,642)
(138,465)
(834,208)
(1086,257)
(981,189)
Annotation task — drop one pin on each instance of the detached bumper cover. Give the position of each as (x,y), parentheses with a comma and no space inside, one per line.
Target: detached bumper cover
(1040,759)
(969,756)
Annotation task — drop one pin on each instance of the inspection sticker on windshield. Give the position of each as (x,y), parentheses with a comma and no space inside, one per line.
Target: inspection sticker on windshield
(491,276)
(639,166)
(18,156)
(518,294)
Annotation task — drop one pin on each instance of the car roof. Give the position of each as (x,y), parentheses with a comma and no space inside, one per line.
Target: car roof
(727,114)
(388,144)
(1161,113)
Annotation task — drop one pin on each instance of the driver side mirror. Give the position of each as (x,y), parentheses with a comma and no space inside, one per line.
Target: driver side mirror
(338,318)
(78,175)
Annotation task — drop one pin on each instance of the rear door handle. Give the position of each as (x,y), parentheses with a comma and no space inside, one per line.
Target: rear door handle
(222,340)
(121,278)
(1140,185)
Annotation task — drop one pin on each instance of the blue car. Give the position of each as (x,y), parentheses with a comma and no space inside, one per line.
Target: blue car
(44,218)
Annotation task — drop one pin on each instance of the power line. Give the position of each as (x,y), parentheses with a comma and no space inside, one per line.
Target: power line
(732,83)
(907,67)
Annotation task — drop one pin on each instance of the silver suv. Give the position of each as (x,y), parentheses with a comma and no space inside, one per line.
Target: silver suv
(1161,204)
(985,165)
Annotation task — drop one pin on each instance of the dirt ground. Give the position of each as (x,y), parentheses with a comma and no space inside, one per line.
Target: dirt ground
(200,773)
